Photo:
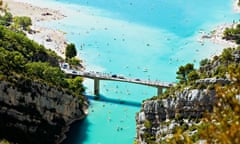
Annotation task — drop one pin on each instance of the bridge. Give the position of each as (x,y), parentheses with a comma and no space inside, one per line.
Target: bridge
(97,76)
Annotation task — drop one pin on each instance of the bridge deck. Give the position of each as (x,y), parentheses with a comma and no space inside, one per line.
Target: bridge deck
(103,76)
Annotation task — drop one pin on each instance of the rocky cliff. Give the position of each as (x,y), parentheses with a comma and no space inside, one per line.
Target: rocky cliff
(36,113)
(182,107)
(158,118)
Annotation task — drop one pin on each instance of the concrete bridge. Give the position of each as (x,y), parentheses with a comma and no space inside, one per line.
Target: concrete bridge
(97,76)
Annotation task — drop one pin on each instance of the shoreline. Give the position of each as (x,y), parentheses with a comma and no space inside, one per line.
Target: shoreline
(51,39)
(236,8)
(58,41)
(54,44)
(216,36)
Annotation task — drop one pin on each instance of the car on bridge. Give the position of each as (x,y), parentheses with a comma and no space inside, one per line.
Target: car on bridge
(114,76)
(170,85)
(121,77)
(74,72)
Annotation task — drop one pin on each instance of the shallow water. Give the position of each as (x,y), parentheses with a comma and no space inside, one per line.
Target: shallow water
(139,39)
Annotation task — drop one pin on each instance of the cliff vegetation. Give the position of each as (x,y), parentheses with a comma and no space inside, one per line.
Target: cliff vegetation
(38,101)
(203,107)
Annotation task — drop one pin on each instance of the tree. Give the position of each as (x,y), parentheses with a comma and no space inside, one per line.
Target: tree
(183,71)
(223,123)
(36,69)
(74,61)
(54,75)
(204,62)
(22,22)
(232,34)
(76,85)
(11,61)
(70,51)
(193,75)
(46,72)
(226,55)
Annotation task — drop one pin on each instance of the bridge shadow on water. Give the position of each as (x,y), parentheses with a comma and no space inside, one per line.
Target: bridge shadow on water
(106,99)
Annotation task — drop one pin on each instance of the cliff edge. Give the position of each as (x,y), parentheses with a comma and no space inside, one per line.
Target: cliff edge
(31,112)
(203,106)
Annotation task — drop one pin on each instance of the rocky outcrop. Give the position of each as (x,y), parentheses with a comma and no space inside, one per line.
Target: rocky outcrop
(36,113)
(212,67)
(208,81)
(155,113)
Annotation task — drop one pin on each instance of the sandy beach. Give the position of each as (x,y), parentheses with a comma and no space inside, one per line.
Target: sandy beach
(51,39)
(57,38)
(215,36)
(236,8)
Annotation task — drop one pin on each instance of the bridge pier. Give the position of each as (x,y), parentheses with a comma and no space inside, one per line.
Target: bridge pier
(96,87)
(159,91)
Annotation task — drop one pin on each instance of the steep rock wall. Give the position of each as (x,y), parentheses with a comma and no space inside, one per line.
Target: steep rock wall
(31,112)
(187,104)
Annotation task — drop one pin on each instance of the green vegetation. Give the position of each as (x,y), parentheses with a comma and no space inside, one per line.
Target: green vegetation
(232,34)
(76,85)
(204,62)
(22,22)
(187,73)
(70,51)
(25,59)
(71,59)
(31,51)
(17,23)
(222,124)
(147,124)
(226,55)
(44,71)
(74,61)
(6,19)
(11,61)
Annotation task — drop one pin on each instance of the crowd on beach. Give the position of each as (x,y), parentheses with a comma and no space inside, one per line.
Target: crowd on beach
(55,39)
(216,34)
(51,38)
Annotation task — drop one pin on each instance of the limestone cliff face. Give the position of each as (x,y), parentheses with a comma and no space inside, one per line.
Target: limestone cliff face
(31,112)
(187,104)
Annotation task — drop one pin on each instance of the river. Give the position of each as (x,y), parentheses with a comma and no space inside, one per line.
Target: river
(146,39)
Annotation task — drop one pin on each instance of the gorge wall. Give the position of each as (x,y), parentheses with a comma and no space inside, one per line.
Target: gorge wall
(37,113)
(158,118)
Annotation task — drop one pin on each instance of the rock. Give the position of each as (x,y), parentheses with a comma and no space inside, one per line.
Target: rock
(36,113)
(187,104)
(221,81)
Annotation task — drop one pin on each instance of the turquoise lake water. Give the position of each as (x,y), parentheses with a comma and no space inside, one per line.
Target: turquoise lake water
(128,37)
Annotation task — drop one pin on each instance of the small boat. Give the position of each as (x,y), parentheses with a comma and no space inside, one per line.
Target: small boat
(145,70)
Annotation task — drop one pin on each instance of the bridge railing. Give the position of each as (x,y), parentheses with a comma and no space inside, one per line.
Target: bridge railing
(92,74)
